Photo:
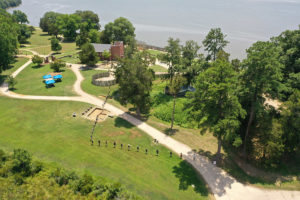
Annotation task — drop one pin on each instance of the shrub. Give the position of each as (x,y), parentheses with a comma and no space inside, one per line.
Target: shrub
(57,65)
(37,60)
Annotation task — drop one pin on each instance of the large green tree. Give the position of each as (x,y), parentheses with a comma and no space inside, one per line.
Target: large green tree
(215,105)
(68,25)
(261,77)
(88,55)
(8,39)
(172,56)
(214,42)
(135,81)
(119,30)
(55,46)
(48,23)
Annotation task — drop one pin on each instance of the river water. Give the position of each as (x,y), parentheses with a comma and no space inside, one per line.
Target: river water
(243,21)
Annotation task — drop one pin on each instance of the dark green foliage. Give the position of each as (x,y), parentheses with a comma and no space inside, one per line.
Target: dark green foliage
(9,39)
(63,177)
(88,55)
(57,65)
(215,105)
(119,30)
(48,23)
(262,76)
(84,185)
(214,42)
(21,162)
(289,41)
(20,17)
(55,46)
(135,81)
(4,4)
(83,36)
(24,33)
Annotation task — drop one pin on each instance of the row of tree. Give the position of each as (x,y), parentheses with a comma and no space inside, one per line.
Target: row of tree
(84,27)
(231,95)
(23,178)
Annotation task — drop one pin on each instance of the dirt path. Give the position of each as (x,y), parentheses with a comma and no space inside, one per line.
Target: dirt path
(223,186)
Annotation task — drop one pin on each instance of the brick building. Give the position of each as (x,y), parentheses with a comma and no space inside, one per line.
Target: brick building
(116,50)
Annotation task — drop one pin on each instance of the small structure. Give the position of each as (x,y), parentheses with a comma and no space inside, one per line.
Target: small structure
(116,50)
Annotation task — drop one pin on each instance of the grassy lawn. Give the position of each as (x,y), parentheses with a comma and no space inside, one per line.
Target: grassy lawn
(39,38)
(30,81)
(24,52)
(50,133)
(158,68)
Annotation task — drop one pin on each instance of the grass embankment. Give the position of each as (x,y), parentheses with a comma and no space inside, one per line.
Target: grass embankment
(48,130)
(30,82)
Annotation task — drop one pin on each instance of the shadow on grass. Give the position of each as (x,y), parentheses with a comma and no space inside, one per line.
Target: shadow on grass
(37,66)
(119,122)
(189,178)
(170,132)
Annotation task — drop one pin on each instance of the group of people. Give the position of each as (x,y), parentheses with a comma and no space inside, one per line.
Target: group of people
(129,147)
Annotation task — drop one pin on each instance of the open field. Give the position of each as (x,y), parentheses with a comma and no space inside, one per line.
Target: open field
(48,130)
(18,63)
(30,81)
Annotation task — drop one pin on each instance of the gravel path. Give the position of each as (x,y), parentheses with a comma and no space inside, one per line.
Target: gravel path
(222,185)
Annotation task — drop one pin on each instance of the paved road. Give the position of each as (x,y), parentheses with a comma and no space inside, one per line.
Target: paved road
(222,185)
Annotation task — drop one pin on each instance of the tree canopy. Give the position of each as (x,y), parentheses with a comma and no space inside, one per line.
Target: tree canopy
(215,105)
(135,81)
(68,25)
(9,39)
(4,4)
(214,42)
(88,55)
(119,30)
(91,18)
(20,17)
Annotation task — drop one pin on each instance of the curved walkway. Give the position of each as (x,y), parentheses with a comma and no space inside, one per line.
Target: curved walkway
(221,184)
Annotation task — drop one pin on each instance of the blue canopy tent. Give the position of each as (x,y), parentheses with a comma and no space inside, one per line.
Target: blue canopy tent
(49,82)
(57,77)
(47,76)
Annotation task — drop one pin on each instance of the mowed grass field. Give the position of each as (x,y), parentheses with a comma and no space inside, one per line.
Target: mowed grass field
(30,82)
(50,133)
